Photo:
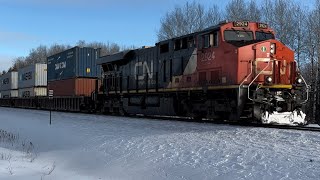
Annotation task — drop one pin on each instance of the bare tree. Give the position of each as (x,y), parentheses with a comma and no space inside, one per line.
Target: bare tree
(81,43)
(267,7)
(214,15)
(56,48)
(236,10)
(37,55)
(19,62)
(284,21)
(279,14)
(316,30)
(310,66)
(106,48)
(253,11)
(299,45)
(187,19)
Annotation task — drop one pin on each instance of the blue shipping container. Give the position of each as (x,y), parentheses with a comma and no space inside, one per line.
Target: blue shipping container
(73,63)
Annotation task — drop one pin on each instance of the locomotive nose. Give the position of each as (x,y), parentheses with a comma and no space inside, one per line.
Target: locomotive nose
(274,63)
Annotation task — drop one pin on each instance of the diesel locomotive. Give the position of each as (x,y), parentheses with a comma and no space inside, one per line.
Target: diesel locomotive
(233,71)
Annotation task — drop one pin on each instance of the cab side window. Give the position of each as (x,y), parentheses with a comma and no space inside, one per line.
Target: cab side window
(206,41)
(209,40)
(215,39)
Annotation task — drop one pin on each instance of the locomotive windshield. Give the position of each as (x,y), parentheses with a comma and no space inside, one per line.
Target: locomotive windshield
(238,35)
(242,38)
(261,36)
(238,38)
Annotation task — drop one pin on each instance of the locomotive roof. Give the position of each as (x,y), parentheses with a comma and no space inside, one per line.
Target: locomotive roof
(120,56)
(215,27)
(124,54)
(114,57)
(211,28)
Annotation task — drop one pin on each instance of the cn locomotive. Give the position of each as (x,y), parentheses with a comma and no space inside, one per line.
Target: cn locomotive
(233,71)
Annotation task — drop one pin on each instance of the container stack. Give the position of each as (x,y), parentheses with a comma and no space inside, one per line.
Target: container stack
(33,81)
(9,85)
(74,71)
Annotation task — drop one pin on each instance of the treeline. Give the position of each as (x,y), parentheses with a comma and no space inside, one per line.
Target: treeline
(40,53)
(296,24)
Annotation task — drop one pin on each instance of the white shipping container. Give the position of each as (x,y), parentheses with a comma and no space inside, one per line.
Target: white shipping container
(32,92)
(9,94)
(9,81)
(33,76)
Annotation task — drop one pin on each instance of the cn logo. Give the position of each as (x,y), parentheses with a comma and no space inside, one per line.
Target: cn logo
(145,70)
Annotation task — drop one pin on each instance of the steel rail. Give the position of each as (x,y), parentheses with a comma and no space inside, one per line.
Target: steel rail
(225,122)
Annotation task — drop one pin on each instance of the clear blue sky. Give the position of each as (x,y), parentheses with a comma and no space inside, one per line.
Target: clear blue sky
(25,24)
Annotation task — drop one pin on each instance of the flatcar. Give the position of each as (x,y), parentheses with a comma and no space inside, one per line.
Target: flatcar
(233,71)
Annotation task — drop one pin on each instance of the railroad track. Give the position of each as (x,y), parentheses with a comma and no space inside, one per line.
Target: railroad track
(300,128)
(273,126)
(223,122)
(185,119)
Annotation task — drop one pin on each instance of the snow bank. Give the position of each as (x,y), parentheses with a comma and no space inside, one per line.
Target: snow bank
(80,146)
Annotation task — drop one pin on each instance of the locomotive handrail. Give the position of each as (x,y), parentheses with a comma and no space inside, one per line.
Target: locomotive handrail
(246,78)
(256,78)
(307,86)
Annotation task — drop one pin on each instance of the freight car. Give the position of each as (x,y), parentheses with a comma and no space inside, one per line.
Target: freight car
(71,74)
(9,85)
(233,71)
(32,81)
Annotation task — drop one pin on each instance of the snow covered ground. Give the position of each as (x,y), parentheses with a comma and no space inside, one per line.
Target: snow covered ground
(85,147)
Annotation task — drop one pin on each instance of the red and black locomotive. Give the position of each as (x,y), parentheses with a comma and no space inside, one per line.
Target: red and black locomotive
(232,71)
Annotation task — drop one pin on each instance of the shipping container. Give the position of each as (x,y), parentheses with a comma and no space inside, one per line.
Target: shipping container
(33,92)
(33,76)
(76,62)
(9,81)
(9,94)
(73,87)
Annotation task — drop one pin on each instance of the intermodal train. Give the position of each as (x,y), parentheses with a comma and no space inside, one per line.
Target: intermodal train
(234,71)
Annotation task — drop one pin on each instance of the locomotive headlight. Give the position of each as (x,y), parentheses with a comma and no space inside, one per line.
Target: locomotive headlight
(299,81)
(269,80)
(272,48)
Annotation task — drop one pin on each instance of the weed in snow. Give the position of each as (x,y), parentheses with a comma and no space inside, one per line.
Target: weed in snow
(12,141)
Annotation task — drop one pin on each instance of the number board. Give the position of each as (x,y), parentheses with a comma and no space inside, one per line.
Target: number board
(262,26)
(241,24)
